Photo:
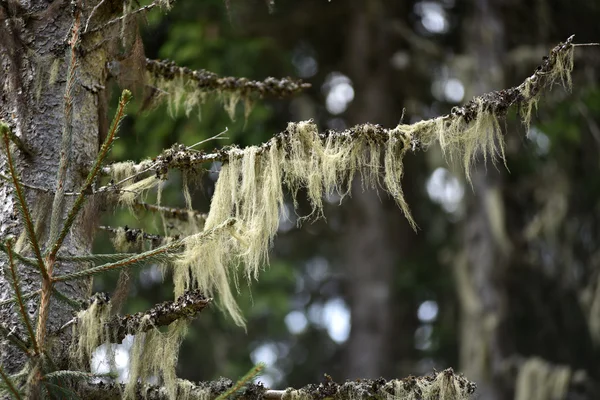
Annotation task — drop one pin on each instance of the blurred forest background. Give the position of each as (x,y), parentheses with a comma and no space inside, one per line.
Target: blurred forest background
(501,281)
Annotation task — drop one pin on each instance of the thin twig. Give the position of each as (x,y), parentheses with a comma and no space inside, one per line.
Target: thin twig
(9,384)
(159,253)
(217,136)
(12,336)
(22,203)
(41,189)
(121,18)
(96,7)
(78,203)
(24,297)
(19,299)
(61,180)
(19,143)
(182,214)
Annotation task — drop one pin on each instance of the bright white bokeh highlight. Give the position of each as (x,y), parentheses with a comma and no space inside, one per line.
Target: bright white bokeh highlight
(428,311)
(454,90)
(445,189)
(304,60)
(433,16)
(338,91)
(540,140)
(296,322)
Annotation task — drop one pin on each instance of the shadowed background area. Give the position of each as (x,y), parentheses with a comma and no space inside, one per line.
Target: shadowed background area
(501,281)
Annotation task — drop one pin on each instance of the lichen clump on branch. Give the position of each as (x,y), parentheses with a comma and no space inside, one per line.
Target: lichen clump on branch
(250,189)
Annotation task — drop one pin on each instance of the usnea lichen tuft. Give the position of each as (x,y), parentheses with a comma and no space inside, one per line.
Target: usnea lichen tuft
(90,330)
(154,354)
(250,188)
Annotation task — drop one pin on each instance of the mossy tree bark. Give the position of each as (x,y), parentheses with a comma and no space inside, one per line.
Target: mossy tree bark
(34,58)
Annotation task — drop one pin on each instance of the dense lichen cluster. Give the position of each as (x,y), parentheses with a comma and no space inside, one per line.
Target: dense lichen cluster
(249,200)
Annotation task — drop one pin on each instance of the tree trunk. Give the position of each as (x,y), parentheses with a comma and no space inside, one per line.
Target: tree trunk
(479,270)
(34,57)
(377,235)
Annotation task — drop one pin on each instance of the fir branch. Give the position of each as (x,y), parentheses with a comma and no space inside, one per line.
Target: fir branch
(497,103)
(132,235)
(439,385)
(19,143)
(78,203)
(75,375)
(67,135)
(122,17)
(56,237)
(14,281)
(59,391)
(9,384)
(63,298)
(41,189)
(14,338)
(23,297)
(162,253)
(96,258)
(22,203)
(250,375)
(159,254)
(209,81)
(25,260)
(186,306)
(181,214)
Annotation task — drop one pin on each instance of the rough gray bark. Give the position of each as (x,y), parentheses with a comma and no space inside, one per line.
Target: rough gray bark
(33,41)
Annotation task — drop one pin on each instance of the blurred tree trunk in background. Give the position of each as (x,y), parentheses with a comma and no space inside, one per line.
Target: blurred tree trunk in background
(480,268)
(377,236)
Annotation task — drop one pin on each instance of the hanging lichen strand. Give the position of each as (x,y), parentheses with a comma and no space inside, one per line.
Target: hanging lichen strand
(249,194)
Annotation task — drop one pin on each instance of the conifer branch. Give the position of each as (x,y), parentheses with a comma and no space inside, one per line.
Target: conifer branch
(14,281)
(127,15)
(253,373)
(22,202)
(19,143)
(25,260)
(134,235)
(78,203)
(158,254)
(14,338)
(23,297)
(209,81)
(186,306)
(440,385)
(67,135)
(555,66)
(181,214)
(162,253)
(9,384)
(41,189)
(96,258)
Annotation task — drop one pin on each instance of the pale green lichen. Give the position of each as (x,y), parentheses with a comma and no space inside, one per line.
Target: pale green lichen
(186,390)
(539,380)
(561,71)
(130,193)
(444,385)
(154,354)
(90,331)
(250,186)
